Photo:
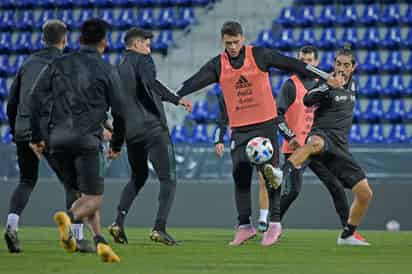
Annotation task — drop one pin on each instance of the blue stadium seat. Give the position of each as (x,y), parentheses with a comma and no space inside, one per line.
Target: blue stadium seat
(37,38)
(4,4)
(66,15)
(408,64)
(216,90)
(62,3)
(397,134)
(23,42)
(407,42)
(226,137)
(114,44)
(375,134)
(72,42)
(396,111)
(357,111)
(408,89)
(3,89)
(327,60)
(370,15)
(7,19)
(145,18)
(25,20)
(371,39)
(5,42)
(393,62)
(3,115)
(180,2)
(286,40)
(348,16)
(373,86)
(276,87)
(265,39)
(306,37)
(327,39)
(327,15)
(108,15)
(355,136)
(7,138)
(305,16)
(372,62)
(407,18)
(166,19)
(4,65)
(164,40)
(186,17)
(199,134)
(178,134)
(392,38)
(159,2)
(83,16)
(201,2)
(394,86)
(349,36)
(287,17)
(126,18)
(43,17)
(200,112)
(391,14)
(373,111)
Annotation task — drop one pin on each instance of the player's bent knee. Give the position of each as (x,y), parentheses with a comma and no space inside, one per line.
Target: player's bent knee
(316,144)
(363,191)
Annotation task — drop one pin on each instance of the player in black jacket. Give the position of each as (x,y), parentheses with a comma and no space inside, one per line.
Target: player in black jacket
(328,142)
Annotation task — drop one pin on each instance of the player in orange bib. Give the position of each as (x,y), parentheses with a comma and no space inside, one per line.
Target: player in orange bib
(243,73)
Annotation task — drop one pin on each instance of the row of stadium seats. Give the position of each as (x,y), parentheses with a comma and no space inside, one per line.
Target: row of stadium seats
(375,134)
(166,18)
(98,3)
(347,15)
(343,2)
(372,38)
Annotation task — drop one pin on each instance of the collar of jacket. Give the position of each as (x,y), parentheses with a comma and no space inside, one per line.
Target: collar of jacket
(241,54)
(53,50)
(90,49)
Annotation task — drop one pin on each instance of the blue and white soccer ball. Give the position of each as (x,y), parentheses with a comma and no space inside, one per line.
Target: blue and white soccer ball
(259,150)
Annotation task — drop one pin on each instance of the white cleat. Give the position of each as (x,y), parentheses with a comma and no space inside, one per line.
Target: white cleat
(353,240)
(273,175)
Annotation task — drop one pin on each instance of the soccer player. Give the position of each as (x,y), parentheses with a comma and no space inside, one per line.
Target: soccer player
(295,122)
(328,142)
(222,121)
(83,86)
(243,73)
(54,38)
(147,134)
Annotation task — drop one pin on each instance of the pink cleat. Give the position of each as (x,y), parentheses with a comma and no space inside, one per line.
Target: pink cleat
(272,235)
(243,233)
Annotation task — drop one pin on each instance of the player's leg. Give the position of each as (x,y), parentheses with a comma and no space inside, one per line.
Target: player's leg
(290,190)
(335,188)
(242,176)
(137,156)
(263,204)
(161,154)
(29,166)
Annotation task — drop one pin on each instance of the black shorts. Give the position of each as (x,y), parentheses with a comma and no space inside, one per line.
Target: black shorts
(338,160)
(82,169)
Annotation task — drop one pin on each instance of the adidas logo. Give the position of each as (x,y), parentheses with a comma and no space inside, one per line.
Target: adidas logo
(242,82)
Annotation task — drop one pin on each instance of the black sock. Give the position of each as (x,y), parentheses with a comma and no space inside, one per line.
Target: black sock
(159,226)
(71,216)
(348,231)
(287,168)
(121,215)
(99,239)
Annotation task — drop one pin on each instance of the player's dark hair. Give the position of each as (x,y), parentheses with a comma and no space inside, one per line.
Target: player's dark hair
(93,31)
(136,33)
(231,28)
(309,49)
(347,51)
(53,32)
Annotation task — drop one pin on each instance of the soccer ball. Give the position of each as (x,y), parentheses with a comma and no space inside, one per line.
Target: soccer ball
(393,226)
(259,150)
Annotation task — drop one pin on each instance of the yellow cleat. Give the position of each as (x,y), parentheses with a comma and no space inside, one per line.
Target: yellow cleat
(65,228)
(107,254)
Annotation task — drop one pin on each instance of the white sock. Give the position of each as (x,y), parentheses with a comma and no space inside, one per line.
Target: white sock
(263,215)
(78,231)
(276,223)
(13,221)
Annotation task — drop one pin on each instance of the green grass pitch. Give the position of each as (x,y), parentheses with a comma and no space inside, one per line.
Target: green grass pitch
(206,251)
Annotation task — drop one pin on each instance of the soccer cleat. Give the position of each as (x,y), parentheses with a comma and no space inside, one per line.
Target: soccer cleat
(262,226)
(163,237)
(107,254)
(243,234)
(118,233)
(84,246)
(12,241)
(354,240)
(272,235)
(272,175)
(66,233)
(358,236)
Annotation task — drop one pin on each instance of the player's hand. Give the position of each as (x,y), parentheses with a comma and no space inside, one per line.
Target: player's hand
(112,154)
(294,144)
(38,148)
(220,148)
(107,135)
(186,103)
(336,81)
